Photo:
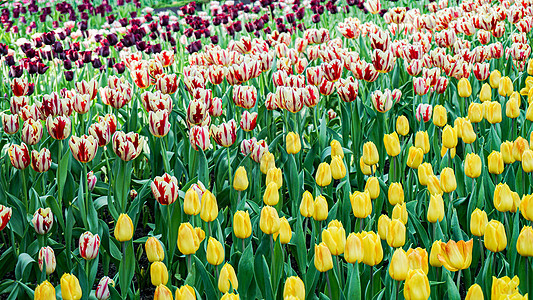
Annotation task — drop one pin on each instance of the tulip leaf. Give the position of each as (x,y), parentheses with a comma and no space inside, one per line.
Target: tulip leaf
(126,269)
(277,266)
(56,210)
(207,279)
(246,268)
(453,293)
(354,283)
(22,271)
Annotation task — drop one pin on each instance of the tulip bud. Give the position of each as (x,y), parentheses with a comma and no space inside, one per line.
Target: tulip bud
(47,256)
(527,161)
(42,220)
(495,237)
(448,183)
(494,112)
(402,125)
(505,87)
(365,169)
(5,216)
(474,292)
(274,175)
(19,156)
(154,250)
(495,162)
(435,209)
(467,132)
(372,186)
(436,250)
(267,162)
(361,204)
(58,127)
(165,189)
(478,222)
(127,146)
(392,144)
(293,143)
(307,205)
(320,209)
(424,171)
(524,244)
(188,239)
(503,198)
(399,212)
(323,259)
(334,237)
(485,94)
(323,174)
(191,203)
(70,287)
(440,117)
(475,112)
(373,252)
(506,149)
(526,207)
(370,154)
(242,226)
(416,285)
(227,278)
(102,290)
(353,251)
(418,259)
(464,88)
(209,210)
(449,137)
(240,181)
(124,228)
(162,293)
(519,146)
(336,149)
(494,79)
(248,121)
(414,158)
(89,245)
(395,193)
(383,226)
(158,273)
(338,169)
(284,232)
(215,252)
(399,266)
(294,288)
(271,195)
(396,233)
(422,141)
(45,291)
(269,221)
(186,292)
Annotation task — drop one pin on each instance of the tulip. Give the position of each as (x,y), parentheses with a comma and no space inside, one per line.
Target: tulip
(271,195)
(284,232)
(162,293)
(102,290)
(323,174)
(447,180)
(524,244)
(42,220)
(519,146)
(383,226)
(529,112)
(89,245)
(242,226)
(224,134)
(372,186)
(373,252)
(435,209)
(158,273)
(395,193)
(188,239)
(424,171)
(227,278)
(382,101)
(418,259)
(154,250)
(474,292)
(505,87)
(416,285)
(440,117)
(41,161)
(464,88)
(240,180)
(494,112)
(5,216)
(127,146)
(248,121)
(485,94)
(267,162)
(495,237)
(32,132)
(209,210)
(293,143)
(70,287)
(19,156)
(10,123)
(366,169)
(334,237)
(83,148)
(399,212)
(527,161)
(185,292)
(436,250)
(230,296)
(294,288)
(503,287)
(320,209)
(434,185)
(475,112)
(414,158)
(158,122)
(392,144)
(165,189)
(472,165)
(353,250)
(370,154)
(396,234)
(274,175)
(45,291)
(512,108)
(338,169)
(361,204)
(323,259)
(478,222)
(124,228)
(422,141)
(399,266)
(503,198)
(307,205)
(494,79)
(214,252)
(467,132)
(456,256)
(191,203)
(449,137)
(48,258)
(58,127)
(336,149)
(269,221)
(402,125)
(495,162)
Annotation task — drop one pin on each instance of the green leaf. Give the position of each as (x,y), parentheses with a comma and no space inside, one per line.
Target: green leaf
(207,280)
(23,267)
(453,293)
(246,268)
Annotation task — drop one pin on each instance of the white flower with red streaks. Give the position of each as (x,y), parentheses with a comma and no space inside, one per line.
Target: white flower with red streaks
(165,57)
(347,89)
(89,245)
(41,161)
(364,71)
(216,107)
(424,112)
(10,123)
(481,71)
(192,82)
(83,148)
(156,101)
(266,59)
(332,70)
(496,50)
(396,95)
(216,74)
(291,99)
(380,40)
(101,132)
(17,103)
(326,87)
(445,38)
(155,69)
(314,75)
(127,146)
(165,189)
(246,70)
(19,86)
(248,121)
(81,103)
(54,105)
(5,216)
(313,52)
(301,44)
(159,123)
(279,77)
(102,290)
(311,96)
(316,36)
(383,61)
(167,83)
(247,145)
(113,97)
(224,134)
(48,258)
(199,188)
(281,50)
(483,36)
(129,58)
(42,220)
(199,137)
(196,111)
(331,114)
(87,88)
(271,102)
(414,67)
(111,120)
(431,75)
(19,156)
(244,45)
(113,81)
(442,85)
(206,95)
(245,96)
(349,28)
(258,149)
(397,14)
(382,101)
(420,85)
(520,52)
(141,78)
(524,25)
(91,180)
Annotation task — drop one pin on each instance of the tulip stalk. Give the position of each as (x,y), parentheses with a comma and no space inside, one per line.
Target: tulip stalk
(25,187)
(482,250)
(166,165)
(459,280)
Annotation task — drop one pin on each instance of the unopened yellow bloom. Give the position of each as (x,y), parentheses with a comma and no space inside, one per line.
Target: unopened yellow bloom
(158,273)
(215,252)
(372,186)
(285,232)
(436,250)
(440,116)
(474,293)
(361,204)
(464,88)
(519,146)
(209,210)
(154,250)
(503,198)
(269,221)
(240,181)
(372,250)
(274,175)
(399,265)
(472,165)
(323,260)
(70,287)
(402,125)
(242,227)
(494,79)
(495,237)
(478,222)
(449,137)
(307,205)
(527,161)
(293,143)
(366,169)
(494,112)
(271,195)
(416,285)
(338,169)
(320,209)
(526,207)
(267,162)
(191,203)
(227,278)
(383,226)
(422,141)
(395,193)
(185,292)
(370,153)
(505,87)
(495,162)
(392,144)
(435,209)
(506,148)
(475,112)
(353,250)
(396,234)
(512,108)
(188,239)
(399,212)
(503,287)
(336,149)
(418,259)
(124,228)
(467,132)
(45,291)
(162,293)
(524,244)
(434,185)
(294,287)
(414,158)
(323,174)
(448,183)
(456,255)
(485,94)
(424,171)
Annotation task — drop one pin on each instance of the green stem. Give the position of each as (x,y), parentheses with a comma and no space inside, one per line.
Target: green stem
(169,225)
(59,187)
(229,169)
(25,191)
(329,286)
(87,193)
(87,273)
(166,165)
(459,280)
(482,250)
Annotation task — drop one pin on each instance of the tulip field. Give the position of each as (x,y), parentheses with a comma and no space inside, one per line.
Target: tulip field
(294,149)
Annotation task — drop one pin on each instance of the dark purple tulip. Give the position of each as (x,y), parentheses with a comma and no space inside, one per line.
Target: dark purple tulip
(31,89)
(104,51)
(316,18)
(97,63)
(57,47)
(290,18)
(32,67)
(119,67)
(175,27)
(48,38)
(214,39)
(16,71)
(67,64)
(41,68)
(237,26)
(69,75)
(86,56)
(164,20)
(10,60)
(112,39)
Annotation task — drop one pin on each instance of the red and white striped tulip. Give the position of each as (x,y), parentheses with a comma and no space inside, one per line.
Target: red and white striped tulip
(10,123)
(30,112)
(258,149)
(83,148)
(481,71)
(47,257)
(291,99)
(141,78)
(348,89)
(167,84)
(420,86)
(58,127)
(101,132)
(19,156)
(216,107)
(245,96)
(102,290)
(248,120)
(19,86)
(382,101)
(332,70)
(42,220)
(127,146)
(53,105)
(199,137)
(424,112)
(17,103)
(111,120)
(32,132)
(247,145)
(206,95)
(5,216)
(224,134)
(383,61)
(396,95)
(116,98)
(166,58)
(311,96)
(216,74)
(314,75)
(165,189)
(156,101)
(41,160)
(271,101)
(89,245)
(81,103)
(196,111)
(89,88)
(159,123)
(91,180)
(326,87)
(441,85)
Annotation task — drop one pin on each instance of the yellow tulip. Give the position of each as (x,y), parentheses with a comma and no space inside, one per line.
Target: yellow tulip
(524,244)
(526,207)
(449,137)
(361,204)
(372,250)
(436,250)
(434,185)
(267,162)
(353,250)
(323,260)
(416,285)
(269,221)
(124,228)
(475,112)
(519,146)
(154,250)
(162,293)
(320,209)
(444,151)
(284,232)
(370,153)
(396,234)
(399,265)
(271,195)
(472,165)
(485,94)
(383,226)
(392,144)
(505,87)
(494,79)
(448,183)
(435,209)
(503,287)
(399,212)
(336,149)
(495,162)
(323,174)
(440,115)
(457,125)
(474,292)
(414,158)
(527,161)
(402,125)
(467,132)
(215,252)
(372,186)
(464,88)
(424,171)
(506,148)
(188,240)
(70,287)
(503,198)
(478,222)
(191,203)
(335,237)
(512,108)
(230,296)
(495,237)
(307,206)
(338,169)
(294,286)
(274,175)
(240,180)
(456,255)
(422,141)
(185,292)
(45,291)
(366,169)
(494,112)
(293,143)
(209,210)
(158,273)
(395,193)
(418,259)
(529,112)
(227,279)
(242,227)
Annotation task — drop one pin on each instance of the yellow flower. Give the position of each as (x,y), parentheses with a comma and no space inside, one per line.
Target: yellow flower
(422,141)
(503,198)
(215,252)
(353,250)
(323,174)
(399,212)
(227,278)
(436,250)
(505,87)
(512,108)
(414,158)
(294,287)
(475,112)
(284,232)
(447,180)
(372,186)
(293,143)
(396,234)
(70,287)
(267,162)
(370,153)
(502,287)
(524,244)
(242,227)
(274,175)
(185,292)
(527,161)
(336,149)
(307,206)
(372,250)
(158,273)
(464,88)
(45,291)
(418,259)
(519,146)
(271,195)
(392,144)
(435,209)
(449,137)
(383,226)
(416,285)
(123,228)
(495,162)
(269,221)
(424,171)
(478,222)
(456,255)
(467,132)
(188,240)
(402,125)
(495,237)
(162,293)
(209,210)
(154,250)
(191,203)
(395,193)
(494,79)
(240,181)
(474,293)
(338,169)
(440,115)
(494,112)
(485,94)
(399,265)
(323,260)
(361,204)
(506,148)
(472,165)
(334,237)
